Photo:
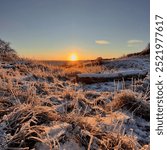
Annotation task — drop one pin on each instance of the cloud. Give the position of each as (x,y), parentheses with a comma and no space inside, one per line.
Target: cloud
(102,42)
(132,42)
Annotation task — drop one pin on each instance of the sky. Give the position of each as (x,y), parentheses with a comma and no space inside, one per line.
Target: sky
(53,29)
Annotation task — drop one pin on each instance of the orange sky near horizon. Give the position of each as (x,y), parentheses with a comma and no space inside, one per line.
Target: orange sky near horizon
(61,55)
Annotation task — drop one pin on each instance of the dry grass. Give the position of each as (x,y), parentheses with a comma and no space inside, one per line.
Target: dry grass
(26,124)
(73,71)
(33,99)
(127,100)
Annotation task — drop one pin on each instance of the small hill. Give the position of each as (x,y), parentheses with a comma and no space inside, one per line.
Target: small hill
(144,52)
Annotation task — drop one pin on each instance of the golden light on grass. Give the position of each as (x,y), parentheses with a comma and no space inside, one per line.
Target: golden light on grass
(73,57)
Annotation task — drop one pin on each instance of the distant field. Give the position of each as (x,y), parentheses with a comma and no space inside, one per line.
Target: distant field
(61,62)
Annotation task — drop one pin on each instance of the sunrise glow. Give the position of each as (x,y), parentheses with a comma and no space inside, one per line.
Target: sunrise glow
(73,57)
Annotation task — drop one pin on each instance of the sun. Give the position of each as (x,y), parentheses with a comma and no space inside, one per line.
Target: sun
(73,57)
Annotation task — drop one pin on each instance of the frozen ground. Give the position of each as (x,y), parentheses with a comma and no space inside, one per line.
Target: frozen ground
(43,108)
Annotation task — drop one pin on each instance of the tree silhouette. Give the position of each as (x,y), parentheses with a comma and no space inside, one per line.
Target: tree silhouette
(6,52)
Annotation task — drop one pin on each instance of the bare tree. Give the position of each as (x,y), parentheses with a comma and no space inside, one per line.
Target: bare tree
(6,52)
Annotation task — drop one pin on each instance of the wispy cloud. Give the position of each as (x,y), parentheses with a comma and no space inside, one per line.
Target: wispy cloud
(132,43)
(135,41)
(102,42)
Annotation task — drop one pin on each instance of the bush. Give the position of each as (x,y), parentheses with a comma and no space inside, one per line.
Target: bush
(99,60)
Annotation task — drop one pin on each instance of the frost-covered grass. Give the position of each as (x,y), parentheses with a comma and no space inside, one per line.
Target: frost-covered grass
(42,107)
(130,101)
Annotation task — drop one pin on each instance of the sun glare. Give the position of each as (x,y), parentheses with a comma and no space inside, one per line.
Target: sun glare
(73,57)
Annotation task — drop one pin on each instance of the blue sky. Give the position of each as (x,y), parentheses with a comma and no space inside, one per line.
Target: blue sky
(52,29)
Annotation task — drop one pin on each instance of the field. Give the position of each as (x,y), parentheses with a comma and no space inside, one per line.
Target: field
(90,105)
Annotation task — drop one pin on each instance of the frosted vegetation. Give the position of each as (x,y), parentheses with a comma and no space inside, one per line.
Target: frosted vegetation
(46,107)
